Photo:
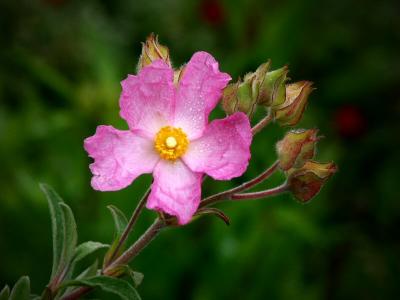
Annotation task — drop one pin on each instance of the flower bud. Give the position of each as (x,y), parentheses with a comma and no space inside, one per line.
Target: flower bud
(297,147)
(151,51)
(258,88)
(291,110)
(178,73)
(271,85)
(239,96)
(308,180)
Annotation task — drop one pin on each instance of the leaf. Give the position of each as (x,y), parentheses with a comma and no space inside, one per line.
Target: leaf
(120,219)
(47,294)
(21,289)
(120,222)
(70,236)
(214,211)
(108,284)
(91,271)
(86,249)
(81,252)
(137,277)
(57,224)
(121,270)
(5,292)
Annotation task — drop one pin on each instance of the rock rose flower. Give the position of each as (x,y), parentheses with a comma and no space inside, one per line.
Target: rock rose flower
(169,136)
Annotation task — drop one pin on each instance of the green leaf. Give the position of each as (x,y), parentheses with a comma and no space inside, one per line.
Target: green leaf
(21,289)
(57,224)
(87,248)
(120,219)
(137,277)
(81,252)
(5,293)
(108,284)
(70,236)
(90,271)
(121,270)
(120,222)
(47,294)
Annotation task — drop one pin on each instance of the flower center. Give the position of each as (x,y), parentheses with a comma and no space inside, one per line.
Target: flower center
(171,143)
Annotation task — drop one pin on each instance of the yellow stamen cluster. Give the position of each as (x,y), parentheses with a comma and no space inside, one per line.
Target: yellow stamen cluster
(171,143)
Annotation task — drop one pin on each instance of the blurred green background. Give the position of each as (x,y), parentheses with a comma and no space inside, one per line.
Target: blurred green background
(61,62)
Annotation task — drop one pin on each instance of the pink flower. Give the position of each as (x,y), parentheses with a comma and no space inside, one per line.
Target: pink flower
(169,136)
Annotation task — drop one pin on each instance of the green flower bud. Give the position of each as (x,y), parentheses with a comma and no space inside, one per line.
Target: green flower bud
(258,88)
(151,51)
(239,96)
(291,110)
(308,180)
(271,85)
(297,147)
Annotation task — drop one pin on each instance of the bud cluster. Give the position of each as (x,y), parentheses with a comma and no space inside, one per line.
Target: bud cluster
(305,176)
(269,89)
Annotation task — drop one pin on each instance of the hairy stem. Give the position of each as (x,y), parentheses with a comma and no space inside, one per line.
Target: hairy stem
(77,293)
(260,125)
(263,194)
(135,215)
(138,246)
(245,186)
(125,258)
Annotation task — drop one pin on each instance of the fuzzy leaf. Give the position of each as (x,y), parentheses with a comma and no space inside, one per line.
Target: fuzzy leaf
(136,277)
(21,289)
(120,219)
(86,249)
(70,236)
(57,224)
(90,271)
(108,284)
(5,293)
(120,222)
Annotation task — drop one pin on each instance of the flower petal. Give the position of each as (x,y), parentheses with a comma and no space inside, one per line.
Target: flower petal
(198,93)
(223,152)
(146,99)
(119,157)
(176,190)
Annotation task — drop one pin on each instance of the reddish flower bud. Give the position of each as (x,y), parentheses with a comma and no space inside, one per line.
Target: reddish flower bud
(297,147)
(308,180)
(151,51)
(291,110)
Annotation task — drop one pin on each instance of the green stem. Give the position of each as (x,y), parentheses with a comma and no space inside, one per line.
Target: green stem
(125,258)
(135,215)
(138,246)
